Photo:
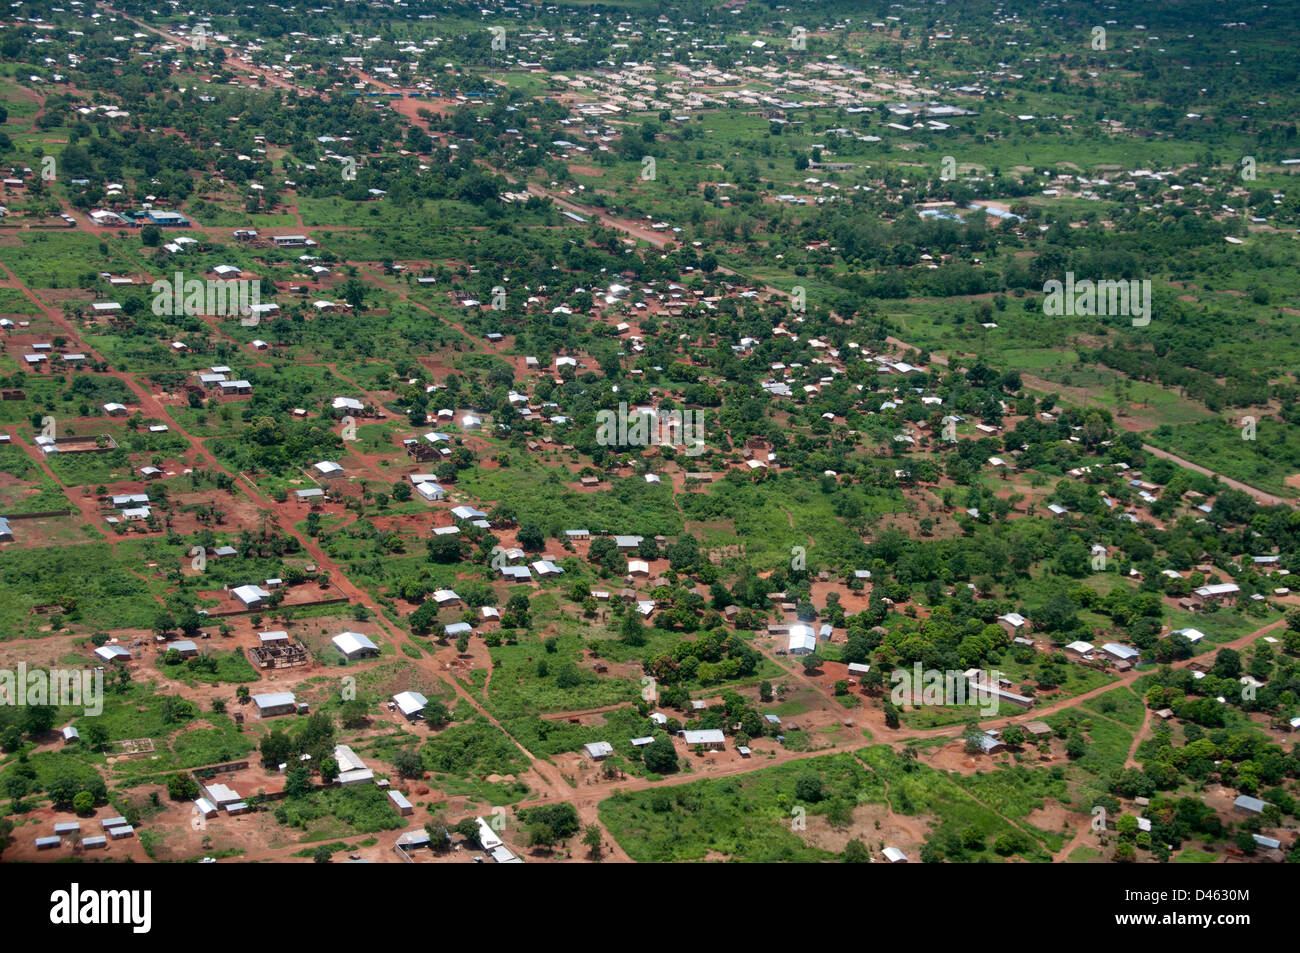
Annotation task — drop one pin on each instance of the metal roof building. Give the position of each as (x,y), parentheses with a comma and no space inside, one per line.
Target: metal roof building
(403,806)
(220,795)
(413,839)
(598,749)
(355,645)
(487,837)
(708,737)
(410,704)
(251,596)
(274,703)
(802,641)
(1254,805)
(1120,651)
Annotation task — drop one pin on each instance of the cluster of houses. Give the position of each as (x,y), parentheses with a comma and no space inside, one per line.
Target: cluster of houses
(42,351)
(705,739)
(69,833)
(218,379)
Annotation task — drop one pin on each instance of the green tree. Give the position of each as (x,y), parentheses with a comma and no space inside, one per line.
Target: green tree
(297,781)
(632,630)
(354,293)
(38,719)
(355,713)
(660,755)
(541,835)
(530,536)
(891,716)
(591,839)
(855,852)
(438,831)
(182,787)
(1075,746)
(468,829)
(276,748)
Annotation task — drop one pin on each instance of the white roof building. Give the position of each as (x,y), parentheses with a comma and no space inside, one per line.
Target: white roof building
(487,837)
(250,596)
(1122,652)
(352,770)
(269,702)
(1219,589)
(354,644)
(705,736)
(802,640)
(430,491)
(410,704)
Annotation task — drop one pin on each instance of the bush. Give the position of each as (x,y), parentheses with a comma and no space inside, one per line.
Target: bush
(809,788)
(855,852)
(408,763)
(1008,843)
